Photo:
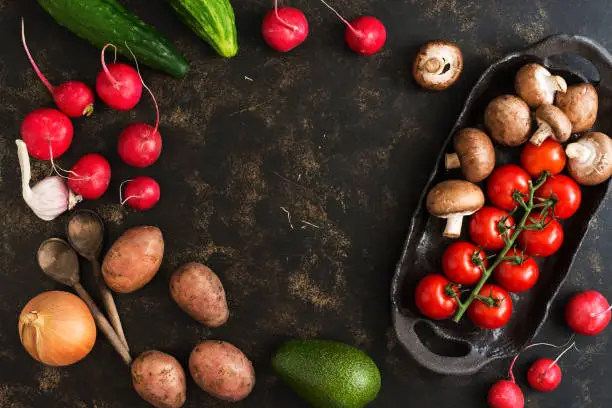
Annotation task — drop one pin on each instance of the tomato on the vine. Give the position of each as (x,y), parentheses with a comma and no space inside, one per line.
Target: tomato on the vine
(549,156)
(565,192)
(433,297)
(502,184)
(484,228)
(458,263)
(517,274)
(492,308)
(543,242)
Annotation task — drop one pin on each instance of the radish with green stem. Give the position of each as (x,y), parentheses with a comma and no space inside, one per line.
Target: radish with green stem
(90,176)
(47,133)
(74,98)
(284,28)
(118,84)
(141,193)
(588,313)
(140,144)
(365,35)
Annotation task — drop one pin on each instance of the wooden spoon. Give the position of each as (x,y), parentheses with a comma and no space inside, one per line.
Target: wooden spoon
(85,231)
(59,261)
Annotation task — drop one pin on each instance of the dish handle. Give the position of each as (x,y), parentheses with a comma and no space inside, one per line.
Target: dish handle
(406,333)
(584,47)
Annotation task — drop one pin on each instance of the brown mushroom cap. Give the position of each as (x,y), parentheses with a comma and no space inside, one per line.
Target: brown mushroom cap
(552,122)
(580,104)
(453,199)
(437,65)
(536,85)
(474,153)
(508,120)
(590,159)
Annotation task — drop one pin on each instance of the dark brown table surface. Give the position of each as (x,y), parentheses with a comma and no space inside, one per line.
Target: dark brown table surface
(342,142)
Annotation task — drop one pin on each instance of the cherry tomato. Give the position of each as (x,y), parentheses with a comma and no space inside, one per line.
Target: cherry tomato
(544,242)
(458,263)
(502,184)
(494,315)
(432,297)
(518,274)
(565,192)
(484,229)
(549,156)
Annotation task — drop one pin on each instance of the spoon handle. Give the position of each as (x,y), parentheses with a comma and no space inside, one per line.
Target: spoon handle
(103,324)
(109,302)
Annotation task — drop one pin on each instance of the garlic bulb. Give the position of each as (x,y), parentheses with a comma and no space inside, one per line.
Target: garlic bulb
(48,198)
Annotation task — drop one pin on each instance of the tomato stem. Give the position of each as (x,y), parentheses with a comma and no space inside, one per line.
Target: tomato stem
(487,272)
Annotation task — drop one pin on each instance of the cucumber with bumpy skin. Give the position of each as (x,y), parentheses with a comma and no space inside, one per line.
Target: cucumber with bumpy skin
(106,21)
(212,20)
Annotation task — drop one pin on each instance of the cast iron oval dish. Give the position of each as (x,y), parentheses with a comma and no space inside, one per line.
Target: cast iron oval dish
(424,245)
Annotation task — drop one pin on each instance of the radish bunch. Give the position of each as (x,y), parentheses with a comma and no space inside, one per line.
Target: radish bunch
(47,133)
(587,313)
(140,144)
(285,28)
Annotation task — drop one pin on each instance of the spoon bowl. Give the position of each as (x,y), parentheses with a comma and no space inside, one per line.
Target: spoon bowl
(58,260)
(85,231)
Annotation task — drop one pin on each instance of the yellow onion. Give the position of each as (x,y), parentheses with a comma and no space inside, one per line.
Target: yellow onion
(57,328)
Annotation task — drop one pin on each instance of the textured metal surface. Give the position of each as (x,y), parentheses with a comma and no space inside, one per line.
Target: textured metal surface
(355,138)
(425,245)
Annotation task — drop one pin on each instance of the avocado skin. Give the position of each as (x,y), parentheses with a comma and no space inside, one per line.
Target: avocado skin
(327,374)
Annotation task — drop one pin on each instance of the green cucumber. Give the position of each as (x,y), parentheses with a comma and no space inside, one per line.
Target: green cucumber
(106,21)
(212,20)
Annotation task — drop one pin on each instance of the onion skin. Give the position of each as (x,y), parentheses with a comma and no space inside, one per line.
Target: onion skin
(56,328)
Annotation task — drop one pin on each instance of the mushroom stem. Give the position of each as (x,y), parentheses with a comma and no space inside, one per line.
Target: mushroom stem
(451,161)
(434,65)
(453,226)
(544,132)
(582,152)
(557,83)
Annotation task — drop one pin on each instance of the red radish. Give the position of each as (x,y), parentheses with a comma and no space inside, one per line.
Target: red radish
(118,85)
(140,144)
(588,313)
(365,35)
(284,28)
(90,176)
(505,394)
(47,133)
(74,98)
(544,375)
(141,193)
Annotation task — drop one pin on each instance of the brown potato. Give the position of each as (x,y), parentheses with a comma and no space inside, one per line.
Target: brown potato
(222,370)
(199,292)
(134,259)
(159,379)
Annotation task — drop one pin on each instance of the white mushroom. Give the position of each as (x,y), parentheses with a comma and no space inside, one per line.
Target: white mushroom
(508,120)
(437,65)
(474,154)
(590,159)
(553,123)
(580,103)
(537,86)
(452,200)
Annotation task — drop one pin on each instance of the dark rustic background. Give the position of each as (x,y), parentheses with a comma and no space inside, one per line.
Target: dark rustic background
(342,142)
